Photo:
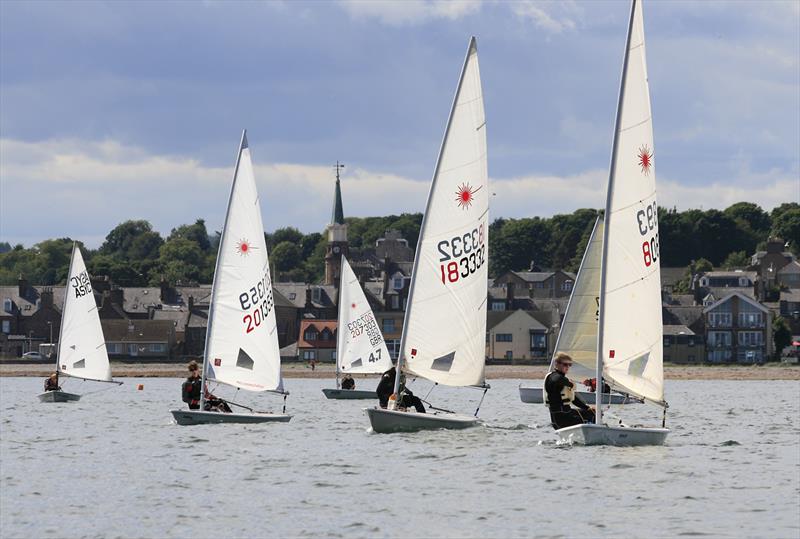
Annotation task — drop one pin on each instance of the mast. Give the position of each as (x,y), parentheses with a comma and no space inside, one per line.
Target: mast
(242,146)
(472,46)
(340,313)
(64,309)
(607,217)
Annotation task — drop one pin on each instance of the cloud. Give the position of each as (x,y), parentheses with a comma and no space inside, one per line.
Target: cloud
(82,189)
(553,17)
(409,12)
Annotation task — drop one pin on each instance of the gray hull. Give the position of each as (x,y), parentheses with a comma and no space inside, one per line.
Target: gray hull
(350,394)
(388,421)
(199,417)
(58,396)
(534,395)
(619,436)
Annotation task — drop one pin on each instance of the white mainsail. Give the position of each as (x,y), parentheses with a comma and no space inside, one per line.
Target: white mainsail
(242,337)
(360,348)
(578,334)
(630,302)
(444,333)
(81,345)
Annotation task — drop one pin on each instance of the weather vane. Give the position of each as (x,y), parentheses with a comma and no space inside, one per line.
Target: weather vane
(338,167)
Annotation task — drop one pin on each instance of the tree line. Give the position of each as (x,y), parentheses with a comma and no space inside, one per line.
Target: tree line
(133,254)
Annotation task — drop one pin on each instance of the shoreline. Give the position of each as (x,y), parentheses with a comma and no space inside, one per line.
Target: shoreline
(772,371)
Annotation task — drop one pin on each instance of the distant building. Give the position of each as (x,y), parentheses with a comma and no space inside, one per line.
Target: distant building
(317,340)
(517,336)
(682,345)
(539,284)
(738,329)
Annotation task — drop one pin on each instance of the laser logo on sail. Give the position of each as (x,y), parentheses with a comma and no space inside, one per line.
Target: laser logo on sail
(243,247)
(465,195)
(645,159)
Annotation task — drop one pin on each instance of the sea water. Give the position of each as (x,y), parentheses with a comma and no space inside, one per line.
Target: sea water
(115,465)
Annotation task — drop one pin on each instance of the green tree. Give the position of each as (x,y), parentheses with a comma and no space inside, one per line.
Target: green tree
(286,234)
(735,260)
(286,256)
(196,233)
(787,227)
(781,335)
(120,240)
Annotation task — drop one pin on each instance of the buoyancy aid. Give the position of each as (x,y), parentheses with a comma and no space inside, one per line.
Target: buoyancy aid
(567,392)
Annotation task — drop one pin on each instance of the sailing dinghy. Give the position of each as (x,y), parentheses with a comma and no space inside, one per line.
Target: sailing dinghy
(81,345)
(242,334)
(578,334)
(630,333)
(360,348)
(444,331)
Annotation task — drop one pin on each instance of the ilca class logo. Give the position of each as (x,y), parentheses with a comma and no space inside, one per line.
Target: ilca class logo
(465,195)
(243,247)
(645,159)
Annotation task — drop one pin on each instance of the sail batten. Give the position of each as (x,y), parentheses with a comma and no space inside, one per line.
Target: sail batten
(82,349)
(241,338)
(445,323)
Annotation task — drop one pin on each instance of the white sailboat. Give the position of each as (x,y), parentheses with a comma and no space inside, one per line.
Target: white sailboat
(444,330)
(360,348)
(578,334)
(630,330)
(81,345)
(241,338)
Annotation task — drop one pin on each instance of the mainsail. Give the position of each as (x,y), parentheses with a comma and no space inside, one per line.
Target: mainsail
(81,346)
(242,337)
(630,301)
(360,348)
(444,334)
(578,334)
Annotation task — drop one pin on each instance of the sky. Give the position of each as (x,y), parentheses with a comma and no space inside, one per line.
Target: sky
(119,110)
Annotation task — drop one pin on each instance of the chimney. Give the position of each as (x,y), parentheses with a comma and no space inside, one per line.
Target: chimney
(117,296)
(775,246)
(510,296)
(308,305)
(22,286)
(165,291)
(46,298)
(191,303)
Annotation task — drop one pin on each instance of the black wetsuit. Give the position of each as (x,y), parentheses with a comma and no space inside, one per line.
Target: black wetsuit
(386,388)
(348,383)
(562,414)
(51,385)
(191,392)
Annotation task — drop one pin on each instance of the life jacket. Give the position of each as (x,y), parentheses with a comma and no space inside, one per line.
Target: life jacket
(567,392)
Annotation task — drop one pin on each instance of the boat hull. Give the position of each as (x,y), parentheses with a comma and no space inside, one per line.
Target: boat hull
(199,417)
(389,421)
(590,434)
(58,396)
(349,394)
(535,395)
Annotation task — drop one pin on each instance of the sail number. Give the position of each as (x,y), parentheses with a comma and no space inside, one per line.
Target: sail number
(463,255)
(258,301)
(366,324)
(81,284)
(647,220)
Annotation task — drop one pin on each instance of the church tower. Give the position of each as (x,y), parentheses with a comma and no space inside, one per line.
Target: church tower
(337,236)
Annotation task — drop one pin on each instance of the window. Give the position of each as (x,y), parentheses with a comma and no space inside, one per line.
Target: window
(388,325)
(566,286)
(292,295)
(7,306)
(316,295)
(719,319)
(157,348)
(538,341)
(6,327)
(393,345)
(502,337)
(538,285)
(326,335)
(691,341)
(333,355)
(114,348)
(719,339)
(690,357)
(751,319)
(310,334)
(509,354)
(395,302)
(308,355)
(750,338)
(498,305)
(667,340)
(397,283)
(133,350)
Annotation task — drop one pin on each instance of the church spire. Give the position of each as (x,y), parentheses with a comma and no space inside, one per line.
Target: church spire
(337,217)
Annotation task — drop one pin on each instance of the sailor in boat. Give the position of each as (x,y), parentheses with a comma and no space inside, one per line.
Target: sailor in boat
(559,396)
(591,384)
(191,392)
(386,389)
(51,383)
(348,382)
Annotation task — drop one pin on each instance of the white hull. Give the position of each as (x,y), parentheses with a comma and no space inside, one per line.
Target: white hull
(388,421)
(590,434)
(58,396)
(199,417)
(535,395)
(349,394)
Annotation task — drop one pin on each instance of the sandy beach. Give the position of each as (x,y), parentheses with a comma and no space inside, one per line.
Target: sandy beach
(772,371)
